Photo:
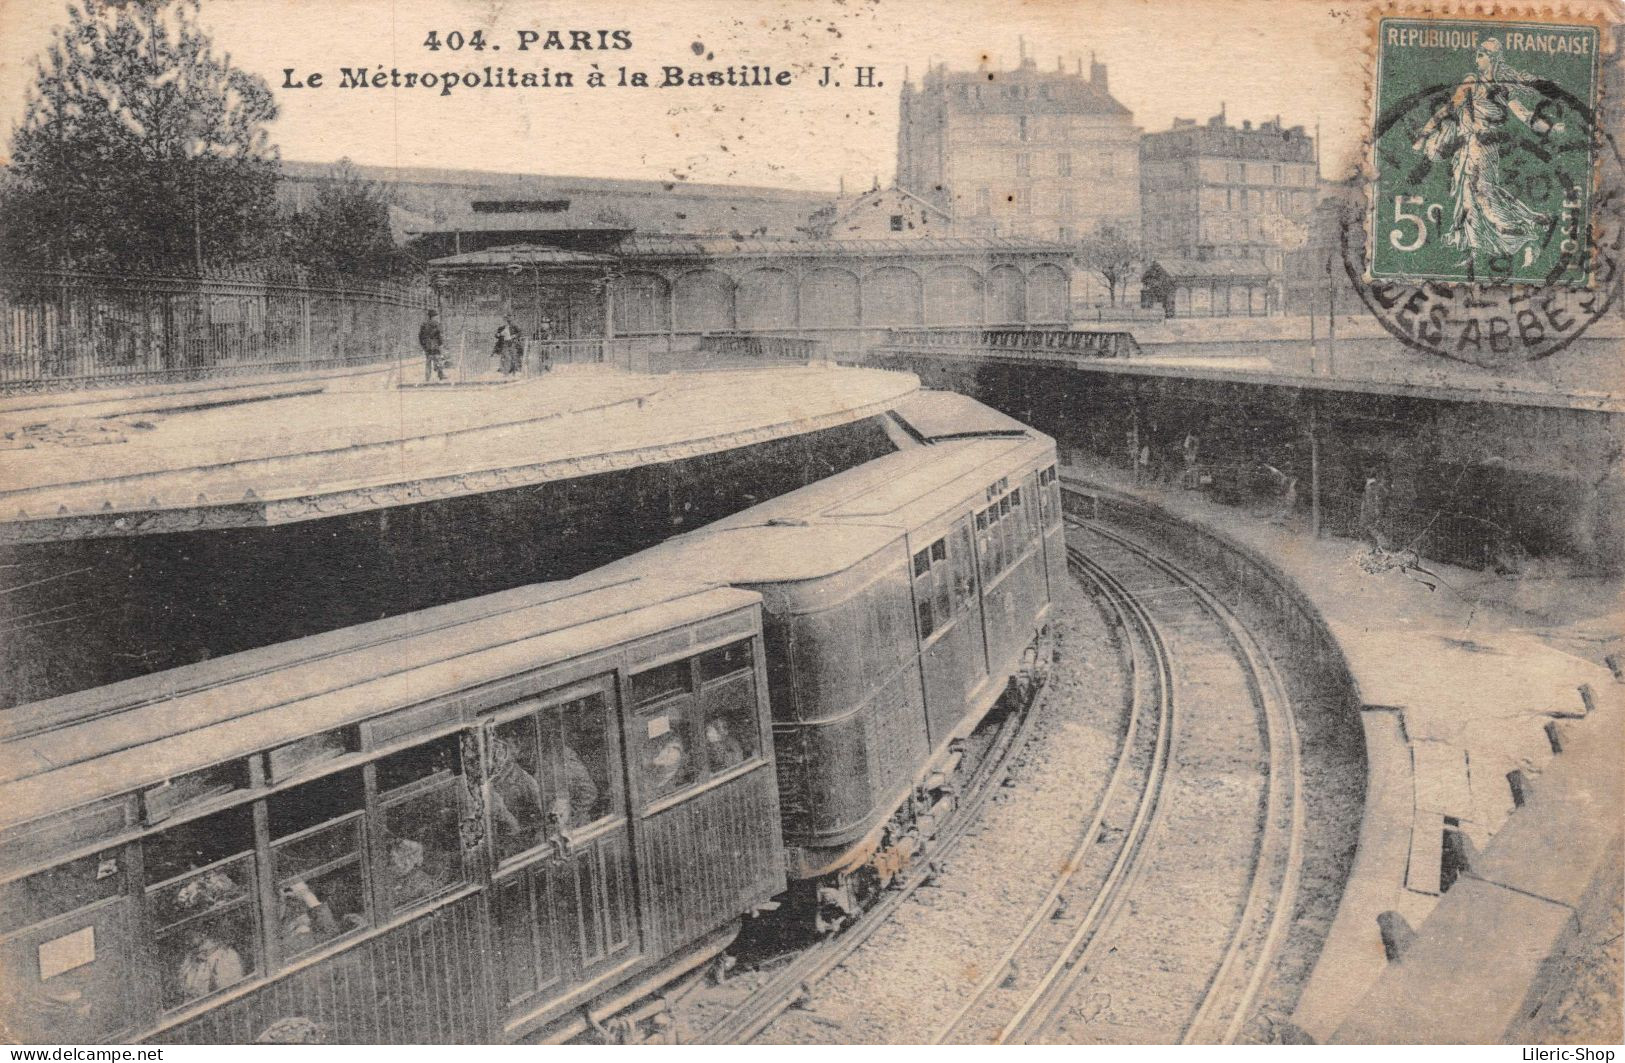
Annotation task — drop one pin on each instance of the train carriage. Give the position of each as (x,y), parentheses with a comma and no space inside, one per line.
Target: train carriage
(900,598)
(481,822)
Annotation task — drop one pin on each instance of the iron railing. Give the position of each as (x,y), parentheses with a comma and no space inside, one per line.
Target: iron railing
(63,329)
(1088,343)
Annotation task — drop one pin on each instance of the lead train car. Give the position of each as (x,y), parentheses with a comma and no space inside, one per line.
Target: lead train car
(460,825)
(900,597)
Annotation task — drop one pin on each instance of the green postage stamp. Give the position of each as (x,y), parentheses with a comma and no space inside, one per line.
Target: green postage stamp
(1484,149)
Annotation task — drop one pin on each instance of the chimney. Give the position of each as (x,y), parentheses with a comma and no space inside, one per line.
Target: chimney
(1097,74)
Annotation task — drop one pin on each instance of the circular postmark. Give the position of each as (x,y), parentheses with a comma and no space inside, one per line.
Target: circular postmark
(1505,196)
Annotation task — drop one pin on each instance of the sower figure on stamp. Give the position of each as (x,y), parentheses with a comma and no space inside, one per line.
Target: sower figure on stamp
(432,340)
(1470,129)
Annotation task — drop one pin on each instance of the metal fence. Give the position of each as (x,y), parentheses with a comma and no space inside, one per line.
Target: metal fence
(1089,343)
(62,330)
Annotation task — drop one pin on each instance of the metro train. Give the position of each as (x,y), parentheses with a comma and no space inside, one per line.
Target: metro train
(515,817)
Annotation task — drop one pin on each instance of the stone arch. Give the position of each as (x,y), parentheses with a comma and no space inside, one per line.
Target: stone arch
(1006,296)
(766,299)
(829,298)
(705,301)
(642,303)
(1049,296)
(893,298)
(953,296)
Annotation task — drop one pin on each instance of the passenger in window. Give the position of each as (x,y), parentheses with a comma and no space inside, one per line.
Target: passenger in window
(206,891)
(209,965)
(722,748)
(664,766)
(408,879)
(578,803)
(306,920)
(516,799)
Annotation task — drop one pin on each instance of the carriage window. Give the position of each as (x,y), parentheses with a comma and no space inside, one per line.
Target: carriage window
(943,604)
(730,706)
(296,756)
(964,586)
(734,657)
(203,905)
(583,783)
(657,683)
(67,974)
(665,757)
(419,801)
(316,846)
(158,803)
(49,894)
(516,791)
(664,732)
(922,593)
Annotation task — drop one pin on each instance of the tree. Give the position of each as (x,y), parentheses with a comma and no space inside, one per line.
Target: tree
(139,142)
(346,229)
(1108,252)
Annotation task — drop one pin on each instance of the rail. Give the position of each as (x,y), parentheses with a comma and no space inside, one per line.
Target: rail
(783,989)
(765,348)
(1152,697)
(1276,605)
(1195,1006)
(65,329)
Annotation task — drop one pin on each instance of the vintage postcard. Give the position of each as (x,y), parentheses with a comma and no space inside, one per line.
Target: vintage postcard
(811,522)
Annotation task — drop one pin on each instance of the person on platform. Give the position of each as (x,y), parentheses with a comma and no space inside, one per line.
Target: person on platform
(432,340)
(509,350)
(1374,509)
(1191,449)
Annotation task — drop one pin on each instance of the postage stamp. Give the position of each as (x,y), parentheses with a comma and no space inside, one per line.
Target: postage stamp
(1484,152)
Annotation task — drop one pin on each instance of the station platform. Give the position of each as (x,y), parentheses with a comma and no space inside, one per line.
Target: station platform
(275,451)
(1461,687)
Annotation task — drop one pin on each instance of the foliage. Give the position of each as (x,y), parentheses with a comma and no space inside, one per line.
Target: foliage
(139,142)
(345,229)
(1110,253)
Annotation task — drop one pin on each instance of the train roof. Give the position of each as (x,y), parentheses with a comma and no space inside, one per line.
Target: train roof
(937,415)
(85,746)
(829,526)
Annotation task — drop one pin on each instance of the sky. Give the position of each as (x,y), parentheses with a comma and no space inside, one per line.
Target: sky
(1300,59)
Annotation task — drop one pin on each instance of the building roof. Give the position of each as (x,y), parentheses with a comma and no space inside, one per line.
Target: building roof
(876,196)
(1271,141)
(655,246)
(551,183)
(523,255)
(1037,91)
(1217,269)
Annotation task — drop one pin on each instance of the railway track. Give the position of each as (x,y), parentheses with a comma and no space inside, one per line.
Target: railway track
(1163,922)
(791,983)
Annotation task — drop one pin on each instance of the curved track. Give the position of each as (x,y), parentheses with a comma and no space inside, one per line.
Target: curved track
(788,985)
(1164,919)
(1163,922)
